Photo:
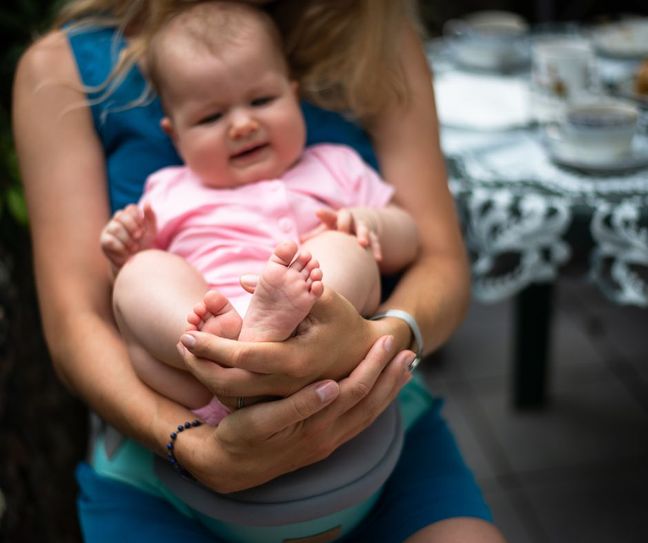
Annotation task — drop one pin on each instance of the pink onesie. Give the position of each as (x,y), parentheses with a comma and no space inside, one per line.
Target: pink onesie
(225,233)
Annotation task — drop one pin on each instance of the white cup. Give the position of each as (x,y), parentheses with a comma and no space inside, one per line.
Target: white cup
(488,40)
(599,131)
(563,71)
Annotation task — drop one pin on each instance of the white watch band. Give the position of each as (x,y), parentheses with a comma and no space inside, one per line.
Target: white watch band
(417,344)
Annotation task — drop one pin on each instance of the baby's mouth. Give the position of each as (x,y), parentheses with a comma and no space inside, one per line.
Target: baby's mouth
(248,151)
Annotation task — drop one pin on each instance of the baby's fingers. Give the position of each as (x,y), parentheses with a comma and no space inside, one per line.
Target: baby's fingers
(345,222)
(149,219)
(328,217)
(362,233)
(115,250)
(376,249)
(131,219)
(116,229)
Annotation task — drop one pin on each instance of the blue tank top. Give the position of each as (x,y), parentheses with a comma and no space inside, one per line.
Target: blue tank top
(133,142)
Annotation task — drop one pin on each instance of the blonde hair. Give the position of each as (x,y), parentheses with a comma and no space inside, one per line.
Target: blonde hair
(344,53)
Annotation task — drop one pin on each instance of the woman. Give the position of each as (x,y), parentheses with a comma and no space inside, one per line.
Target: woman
(74,140)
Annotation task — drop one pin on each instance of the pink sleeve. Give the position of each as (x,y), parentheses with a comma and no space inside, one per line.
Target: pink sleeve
(360,183)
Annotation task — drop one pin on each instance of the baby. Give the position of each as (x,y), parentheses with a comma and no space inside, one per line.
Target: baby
(250,200)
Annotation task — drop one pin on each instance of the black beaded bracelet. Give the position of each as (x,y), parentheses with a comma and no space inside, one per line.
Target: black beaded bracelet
(171,446)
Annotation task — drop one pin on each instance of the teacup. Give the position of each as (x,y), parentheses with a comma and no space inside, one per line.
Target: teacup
(489,40)
(563,71)
(599,131)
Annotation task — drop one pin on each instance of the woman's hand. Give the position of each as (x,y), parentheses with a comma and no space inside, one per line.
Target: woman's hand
(329,344)
(258,443)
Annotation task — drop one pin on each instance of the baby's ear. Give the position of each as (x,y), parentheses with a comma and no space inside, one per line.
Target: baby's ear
(167,126)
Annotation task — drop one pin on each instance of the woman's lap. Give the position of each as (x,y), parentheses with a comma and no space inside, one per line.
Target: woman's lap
(430,483)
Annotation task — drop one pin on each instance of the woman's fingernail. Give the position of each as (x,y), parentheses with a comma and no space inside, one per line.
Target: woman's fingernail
(188,340)
(388,343)
(181,349)
(327,391)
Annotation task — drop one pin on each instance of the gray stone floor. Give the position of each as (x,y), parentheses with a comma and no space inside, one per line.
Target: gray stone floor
(577,470)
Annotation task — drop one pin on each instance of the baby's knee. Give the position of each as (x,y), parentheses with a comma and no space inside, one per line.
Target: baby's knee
(348,268)
(340,244)
(149,272)
(140,266)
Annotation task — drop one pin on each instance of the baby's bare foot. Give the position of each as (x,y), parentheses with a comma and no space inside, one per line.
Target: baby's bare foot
(285,293)
(215,315)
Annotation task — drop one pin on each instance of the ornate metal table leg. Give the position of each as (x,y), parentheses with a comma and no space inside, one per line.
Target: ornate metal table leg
(533,312)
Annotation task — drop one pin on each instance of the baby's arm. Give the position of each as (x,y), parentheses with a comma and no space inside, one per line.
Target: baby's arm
(129,231)
(389,232)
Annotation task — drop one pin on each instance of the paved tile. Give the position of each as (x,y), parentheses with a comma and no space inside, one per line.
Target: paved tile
(577,470)
(597,505)
(615,330)
(588,422)
(481,347)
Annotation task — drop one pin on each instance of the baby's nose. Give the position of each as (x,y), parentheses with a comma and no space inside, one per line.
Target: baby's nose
(243,125)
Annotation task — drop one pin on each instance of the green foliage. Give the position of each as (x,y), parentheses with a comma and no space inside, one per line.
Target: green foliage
(20,22)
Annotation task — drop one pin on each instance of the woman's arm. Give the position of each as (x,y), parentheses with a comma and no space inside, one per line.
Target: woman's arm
(435,289)
(62,166)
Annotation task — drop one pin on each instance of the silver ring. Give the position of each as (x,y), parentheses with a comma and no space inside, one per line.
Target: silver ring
(240,402)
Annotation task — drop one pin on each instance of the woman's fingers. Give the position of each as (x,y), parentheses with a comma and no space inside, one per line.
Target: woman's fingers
(362,379)
(371,405)
(227,381)
(265,420)
(357,407)
(261,357)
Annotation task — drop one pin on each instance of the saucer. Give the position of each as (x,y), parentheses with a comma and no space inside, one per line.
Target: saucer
(623,40)
(561,155)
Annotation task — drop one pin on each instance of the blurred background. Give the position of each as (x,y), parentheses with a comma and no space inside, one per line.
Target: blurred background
(43,428)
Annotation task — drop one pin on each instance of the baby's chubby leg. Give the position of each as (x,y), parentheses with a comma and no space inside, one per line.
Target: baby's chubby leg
(152,296)
(348,268)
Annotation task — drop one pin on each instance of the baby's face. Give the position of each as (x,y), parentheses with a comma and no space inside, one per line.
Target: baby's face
(235,116)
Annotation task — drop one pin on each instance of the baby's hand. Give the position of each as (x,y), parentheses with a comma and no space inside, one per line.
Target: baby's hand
(129,231)
(358,221)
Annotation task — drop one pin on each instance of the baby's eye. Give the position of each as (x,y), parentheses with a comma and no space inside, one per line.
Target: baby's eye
(211,118)
(262,101)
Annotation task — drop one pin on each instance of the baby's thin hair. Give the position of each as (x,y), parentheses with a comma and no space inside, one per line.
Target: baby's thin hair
(210,26)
